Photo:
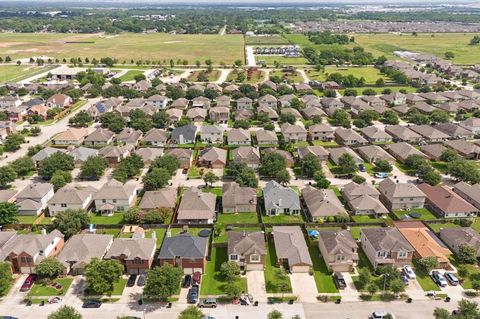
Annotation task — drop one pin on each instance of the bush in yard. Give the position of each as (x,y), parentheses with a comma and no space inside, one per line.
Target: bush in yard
(132,216)
(426,264)
(467,254)
(191,312)
(358,179)
(71,221)
(163,282)
(157,216)
(49,267)
(383,166)
(320,180)
(56,162)
(6,277)
(65,312)
(210,178)
(230,271)
(100,275)
(275,314)
(93,167)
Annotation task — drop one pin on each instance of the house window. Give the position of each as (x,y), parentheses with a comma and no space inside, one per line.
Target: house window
(114,200)
(402,254)
(401,199)
(381,254)
(233,257)
(120,208)
(63,205)
(340,258)
(254,258)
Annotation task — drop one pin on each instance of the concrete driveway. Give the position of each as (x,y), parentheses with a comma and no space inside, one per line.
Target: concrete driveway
(256,285)
(414,290)
(350,293)
(303,286)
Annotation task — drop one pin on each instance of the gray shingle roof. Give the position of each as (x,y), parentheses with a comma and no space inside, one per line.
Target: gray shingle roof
(184,246)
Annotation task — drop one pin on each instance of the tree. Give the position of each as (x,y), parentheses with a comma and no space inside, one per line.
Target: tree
(467,254)
(168,162)
(275,314)
(7,175)
(156,178)
(449,155)
(93,167)
(65,312)
(440,116)
(23,165)
(230,271)
(232,290)
(128,168)
(397,286)
(81,119)
(60,179)
(464,170)
(383,166)
(6,277)
(449,55)
(210,178)
(113,121)
(139,77)
(101,275)
(8,213)
(440,313)
(283,177)
(58,161)
(358,179)
(320,180)
(371,288)
(272,163)
(157,216)
(13,142)
(49,267)
(163,282)
(390,117)
(71,221)
(364,276)
(160,119)
(380,82)
(191,312)
(427,263)
(310,164)
(430,176)
(347,164)
(341,118)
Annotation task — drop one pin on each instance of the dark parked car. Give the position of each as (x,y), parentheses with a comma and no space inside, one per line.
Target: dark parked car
(404,279)
(131,280)
(187,281)
(192,295)
(92,304)
(28,283)
(339,280)
(197,277)
(141,281)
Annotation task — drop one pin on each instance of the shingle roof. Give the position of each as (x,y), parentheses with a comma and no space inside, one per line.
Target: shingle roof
(81,248)
(132,248)
(234,195)
(246,243)
(290,244)
(163,198)
(72,195)
(196,204)
(387,239)
(183,246)
(322,202)
(278,196)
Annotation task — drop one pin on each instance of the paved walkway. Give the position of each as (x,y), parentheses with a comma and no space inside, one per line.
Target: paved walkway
(250,56)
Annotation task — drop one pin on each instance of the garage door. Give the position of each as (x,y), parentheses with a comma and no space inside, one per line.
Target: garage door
(254,267)
(300,269)
(133,271)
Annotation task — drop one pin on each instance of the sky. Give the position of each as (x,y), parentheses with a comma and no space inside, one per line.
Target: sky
(266,1)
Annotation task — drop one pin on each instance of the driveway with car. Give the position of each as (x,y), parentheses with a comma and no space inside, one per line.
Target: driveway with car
(303,286)
(256,285)
(350,293)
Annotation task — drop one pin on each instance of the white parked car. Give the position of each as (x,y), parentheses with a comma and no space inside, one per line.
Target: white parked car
(409,272)
(381,315)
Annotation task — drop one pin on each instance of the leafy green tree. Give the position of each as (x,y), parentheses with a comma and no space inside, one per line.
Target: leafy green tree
(464,170)
(427,263)
(440,116)
(6,277)
(310,164)
(13,142)
(440,313)
(320,180)
(233,290)
(210,178)
(49,267)
(271,164)
(160,119)
(347,164)
(168,162)
(128,168)
(71,221)
(112,121)
(163,282)
(191,312)
(467,254)
(283,177)
(156,178)
(274,314)
(81,119)
(93,167)
(449,55)
(183,121)
(23,166)
(101,275)
(65,312)
(157,216)
(230,271)
(358,179)
(449,155)
(341,118)
(390,117)
(7,175)
(383,166)
(397,286)
(372,288)
(60,179)
(56,162)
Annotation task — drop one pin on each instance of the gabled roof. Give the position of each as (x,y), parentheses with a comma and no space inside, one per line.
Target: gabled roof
(81,248)
(165,197)
(265,135)
(129,134)
(72,195)
(322,202)
(387,239)
(246,152)
(238,135)
(155,135)
(455,237)
(82,153)
(113,189)
(234,195)
(183,246)
(196,204)
(46,152)
(278,196)
(338,241)
(288,128)
(188,132)
(132,248)
(246,243)
(390,189)
(35,191)
(374,132)
(446,200)
(290,244)
(213,154)
(72,134)
(211,129)
(34,245)
(99,135)
(148,154)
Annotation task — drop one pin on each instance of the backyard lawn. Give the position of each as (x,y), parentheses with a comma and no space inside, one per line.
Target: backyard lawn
(130,75)
(323,277)
(159,233)
(223,237)
(240,218)
(191,230)
(98,219)
(29,220)
(282,218)
(355,230)
(426,214)
(437,226)
(212,280)
(41,290)
(370,219)
(271,279)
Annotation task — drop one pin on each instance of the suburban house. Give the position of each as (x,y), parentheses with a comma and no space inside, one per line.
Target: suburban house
(248,155)
(268,100)
(211,134)
(26,251)
(129,136)
(433,151)
(471,124)
(291,249)
(429,133)
(247,249)
(403,133)
(445,203)
(7,128)
(470,193)
(321,204)
(219,114)
(81,154)
(464,148)
(338,249)
(114,154)
(319,151)
(237,199)
(279,199)
(184,155)
(135,254)
(196,207)
(349,137)
(285,154)
(180,104)
(402,150)
(293,133)
(321,132)
(155,137)
(201,102)
(310,111)
(424,242)
(375,135)
(373,153)
(115,197)
(163,198)
(184,134)
(44,153)
(386,246)
(212,157)
(197,114)
(400,196)
(100,136)
(265,137)
(174,115)
(33,199)
(70,197)
(269,111)
(337,152)
(363,199)
(238,136)
(456,237)
(157,101)
(244,103)
(80,249)
(455,131)
(243,114)
(395,98)
(72,136)
(185,251)
(59,100)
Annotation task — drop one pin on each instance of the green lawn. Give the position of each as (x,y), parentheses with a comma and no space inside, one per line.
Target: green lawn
(15,73)
(290,77)
(193,172)
(223,238)
(159,232)
(295,219)
(426,214)
(271,280)
(437,226)
(425,281)
(191,230)
(212,281)
(379,89)
(270,60)
(218,191)
(98,219)
(440,166)
(40,290)
(29,220)
(211,76)
(127,46)
(473,273)
(130,75)
(355,230)
(476,225)
(266,40)
(369,73)
(240,218)
(369,219)
(109,231)
(119,286)
(325,143)
(323,277)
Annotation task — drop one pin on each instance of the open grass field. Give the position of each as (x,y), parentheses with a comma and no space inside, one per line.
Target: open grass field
(20,72)
(269,60)
(126,46)
(130,75)
(256,76)
(386,43)
(266,40)
(370,74)
(210,76)
(290,77)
